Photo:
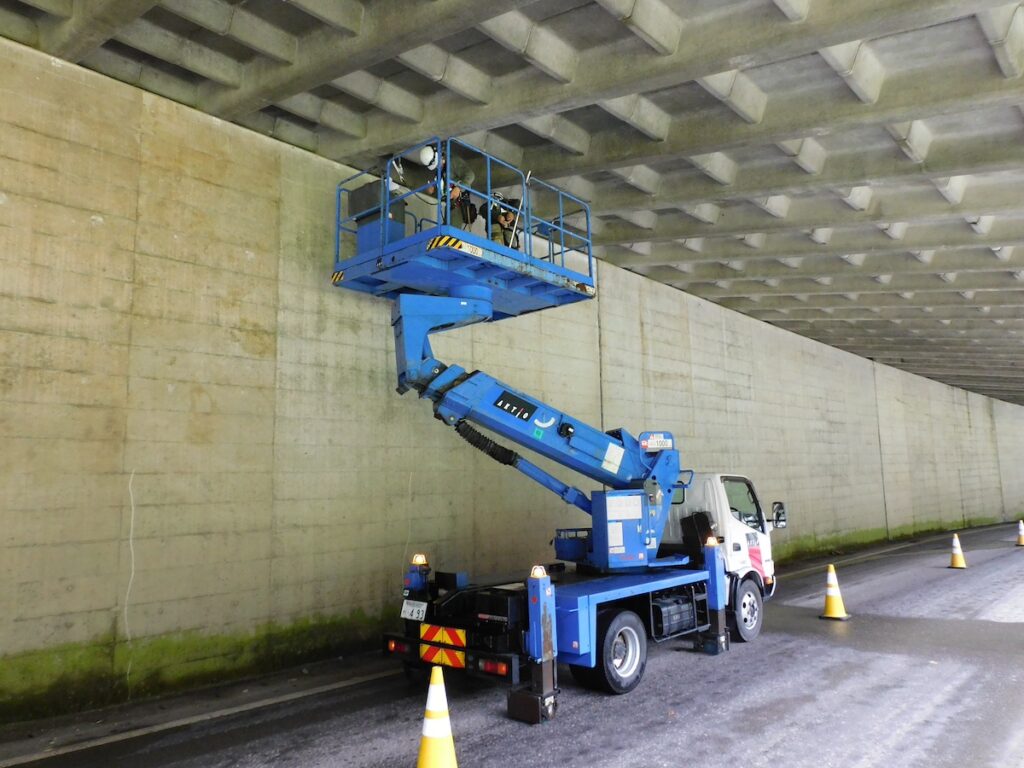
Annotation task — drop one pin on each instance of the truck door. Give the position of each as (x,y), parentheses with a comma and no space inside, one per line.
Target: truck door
(746,542)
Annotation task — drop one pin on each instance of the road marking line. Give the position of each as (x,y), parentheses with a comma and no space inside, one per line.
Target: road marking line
(193,720)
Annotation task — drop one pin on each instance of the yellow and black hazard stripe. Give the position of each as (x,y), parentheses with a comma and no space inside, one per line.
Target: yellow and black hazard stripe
(444,241)
(337,277)
(448,657)
(432,633)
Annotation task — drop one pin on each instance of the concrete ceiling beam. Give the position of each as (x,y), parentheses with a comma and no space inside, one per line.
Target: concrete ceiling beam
(642,219)
(18,28)
(809,213)
(640,177)
(853,242)
(706,213)
(326,113)
(952,188)
(958,312)
(394,27)
(538,45)
(498,146)
(237,23)
(342,15)
(150,38)
(455,74)
(952,261)
(280,128)
(142,75)
(717,165)
(858,197)
(63,9)
(907,97)
(976,321)
(609,72)
(935,331)
(650,20)
(947,158)
(560,131)
(1004,29)
(858,65)
(942,348)
(576,185)
(382,94)
(736,90)
(806,153)
(979,281)
(913,138)
(795,10)
(640,113)
(92,23)
(1007,374)
(776,206)
(880,302)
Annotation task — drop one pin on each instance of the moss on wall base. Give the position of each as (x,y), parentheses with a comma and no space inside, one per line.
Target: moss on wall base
(809,546)
(74,677)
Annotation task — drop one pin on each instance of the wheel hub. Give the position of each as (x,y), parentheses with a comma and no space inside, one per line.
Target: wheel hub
(748,610)
(626,652)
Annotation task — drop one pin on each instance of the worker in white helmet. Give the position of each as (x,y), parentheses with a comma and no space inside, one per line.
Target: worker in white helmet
(423,174)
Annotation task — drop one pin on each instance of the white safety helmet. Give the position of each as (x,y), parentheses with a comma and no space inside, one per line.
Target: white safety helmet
(428,157)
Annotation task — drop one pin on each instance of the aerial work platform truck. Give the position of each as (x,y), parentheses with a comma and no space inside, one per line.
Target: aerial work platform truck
(670,553)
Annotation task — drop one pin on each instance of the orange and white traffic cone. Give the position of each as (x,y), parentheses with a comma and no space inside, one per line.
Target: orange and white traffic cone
(834,608)
(1020,533)
(437,748)
(957,559)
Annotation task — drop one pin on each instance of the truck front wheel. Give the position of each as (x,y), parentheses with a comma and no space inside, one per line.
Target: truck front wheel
(747,611)
(622,655)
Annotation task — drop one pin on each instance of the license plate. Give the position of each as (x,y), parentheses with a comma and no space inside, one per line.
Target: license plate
(414,610)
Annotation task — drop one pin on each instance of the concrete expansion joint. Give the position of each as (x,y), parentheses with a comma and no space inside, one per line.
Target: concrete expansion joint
(529,37)
(230,22)
(1002,39)
(853,61)
(628,17)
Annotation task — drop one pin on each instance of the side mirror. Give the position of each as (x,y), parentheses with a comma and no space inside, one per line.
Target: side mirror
(778,514)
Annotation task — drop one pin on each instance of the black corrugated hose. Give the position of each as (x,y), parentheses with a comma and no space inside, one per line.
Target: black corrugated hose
(483,443)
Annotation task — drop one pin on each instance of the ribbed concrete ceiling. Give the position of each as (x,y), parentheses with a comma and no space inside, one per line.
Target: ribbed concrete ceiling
(850,170)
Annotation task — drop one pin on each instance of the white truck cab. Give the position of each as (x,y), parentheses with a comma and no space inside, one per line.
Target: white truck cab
(728,508)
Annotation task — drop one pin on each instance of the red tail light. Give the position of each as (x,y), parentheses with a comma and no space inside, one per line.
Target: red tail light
(397,646)
(499,668)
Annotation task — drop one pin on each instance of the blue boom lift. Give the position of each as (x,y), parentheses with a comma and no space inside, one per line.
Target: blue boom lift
(626,584)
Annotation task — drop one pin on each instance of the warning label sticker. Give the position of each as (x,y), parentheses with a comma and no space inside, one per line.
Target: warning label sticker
(472,250)
(624,507)
(613,458)
(614,535)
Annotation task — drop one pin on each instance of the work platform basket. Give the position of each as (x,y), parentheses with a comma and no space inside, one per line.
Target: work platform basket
(409,228)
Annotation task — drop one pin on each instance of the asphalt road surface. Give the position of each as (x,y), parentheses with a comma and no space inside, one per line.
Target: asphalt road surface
(928,672)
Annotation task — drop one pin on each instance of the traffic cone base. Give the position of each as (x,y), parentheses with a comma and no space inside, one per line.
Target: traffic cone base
(957,559)
(1020,533)
(437,749)
(834,608)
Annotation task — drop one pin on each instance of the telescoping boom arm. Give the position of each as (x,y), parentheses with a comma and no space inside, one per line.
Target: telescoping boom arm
(461,399)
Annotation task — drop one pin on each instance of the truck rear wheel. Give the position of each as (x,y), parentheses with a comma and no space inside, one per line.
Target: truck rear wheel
(622,655)
(747,611)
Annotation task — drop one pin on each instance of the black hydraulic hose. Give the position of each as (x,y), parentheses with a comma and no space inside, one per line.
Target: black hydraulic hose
(481,442)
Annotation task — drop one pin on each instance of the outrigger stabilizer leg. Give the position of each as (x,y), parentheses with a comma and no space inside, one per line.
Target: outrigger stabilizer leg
(536,701)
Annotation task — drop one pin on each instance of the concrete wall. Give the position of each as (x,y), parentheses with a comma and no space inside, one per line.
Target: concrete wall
(181,389)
